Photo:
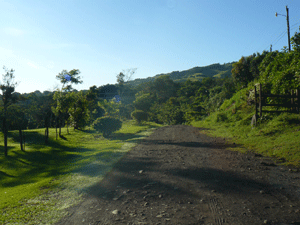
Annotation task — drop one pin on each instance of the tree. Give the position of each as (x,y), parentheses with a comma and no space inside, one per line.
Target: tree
(140,116)
(241,71)
(111,107)
(123,78)
(164,88)
(40,109)
(171,112)
(7,87)
(295,41)
(66,78)
(78,111)
(107,125)
(108,91)
(17,121)
(143,101)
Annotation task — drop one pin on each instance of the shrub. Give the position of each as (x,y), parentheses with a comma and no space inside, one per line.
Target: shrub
(221,117)
(139,116)
(107,125)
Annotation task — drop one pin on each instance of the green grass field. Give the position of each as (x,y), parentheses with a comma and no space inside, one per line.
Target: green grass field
(39,184)
(275,135)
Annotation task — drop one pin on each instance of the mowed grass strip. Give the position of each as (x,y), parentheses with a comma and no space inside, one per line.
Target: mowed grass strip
(36,186)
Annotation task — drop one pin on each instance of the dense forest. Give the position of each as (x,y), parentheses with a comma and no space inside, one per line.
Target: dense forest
(174,98)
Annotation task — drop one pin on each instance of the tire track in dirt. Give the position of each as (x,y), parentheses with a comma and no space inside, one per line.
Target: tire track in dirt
(179,176)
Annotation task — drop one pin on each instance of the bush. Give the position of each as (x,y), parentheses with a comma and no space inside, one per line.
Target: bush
(221,117)
(139,116)
(107,125)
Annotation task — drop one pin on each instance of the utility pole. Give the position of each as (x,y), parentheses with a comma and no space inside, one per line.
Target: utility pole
(270,48)
(288,25)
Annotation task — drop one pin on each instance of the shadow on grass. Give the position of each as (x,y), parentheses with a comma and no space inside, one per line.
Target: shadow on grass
(41,161)
(44,161)
(3,174)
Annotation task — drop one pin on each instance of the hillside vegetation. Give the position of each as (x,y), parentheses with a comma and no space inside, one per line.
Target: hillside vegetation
(194,74)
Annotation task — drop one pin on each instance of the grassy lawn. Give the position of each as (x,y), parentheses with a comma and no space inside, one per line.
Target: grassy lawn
(275,135)
(39,184)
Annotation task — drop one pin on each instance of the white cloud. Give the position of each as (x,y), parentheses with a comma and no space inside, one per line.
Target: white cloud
(13,31)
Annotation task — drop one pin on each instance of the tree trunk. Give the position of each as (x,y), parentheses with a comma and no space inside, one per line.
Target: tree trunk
(5,134)
(46,135)
(24,140)
(56,128)
(59,123)
(21,139)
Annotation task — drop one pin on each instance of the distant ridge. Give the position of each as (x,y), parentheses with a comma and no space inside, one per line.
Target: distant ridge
(197,73)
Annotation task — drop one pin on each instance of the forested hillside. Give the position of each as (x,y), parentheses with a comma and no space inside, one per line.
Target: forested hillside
(194,74)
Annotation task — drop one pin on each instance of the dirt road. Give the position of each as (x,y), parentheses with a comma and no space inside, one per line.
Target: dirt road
(179,176)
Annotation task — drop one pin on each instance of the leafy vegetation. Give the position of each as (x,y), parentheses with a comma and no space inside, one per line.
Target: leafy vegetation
(140,116)
(107,125)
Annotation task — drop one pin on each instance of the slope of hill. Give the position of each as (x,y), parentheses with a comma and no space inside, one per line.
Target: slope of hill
(197,73)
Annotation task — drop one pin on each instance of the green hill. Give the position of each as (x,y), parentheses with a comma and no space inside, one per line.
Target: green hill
(197,73)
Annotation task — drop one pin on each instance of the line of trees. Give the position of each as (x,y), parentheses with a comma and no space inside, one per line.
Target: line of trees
(162,100)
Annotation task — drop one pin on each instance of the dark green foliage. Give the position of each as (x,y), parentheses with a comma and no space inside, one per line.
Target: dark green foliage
(247,69)
(144,101)
(107,125)
(78,110)
(140,116)
(108,91)
(8,88)
(221,117)
(295,41)
(171,112)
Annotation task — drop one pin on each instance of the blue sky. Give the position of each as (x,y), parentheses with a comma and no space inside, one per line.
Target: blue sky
(38,39)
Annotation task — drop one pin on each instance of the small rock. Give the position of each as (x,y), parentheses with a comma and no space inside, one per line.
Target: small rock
(146,203)
(213,190)
(159,216)
(262,191)
(115,212)
(141,171)
(265,221)
(160,196)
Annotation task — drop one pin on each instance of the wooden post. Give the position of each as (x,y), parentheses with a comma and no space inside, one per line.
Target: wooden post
(292,101)
(260,102)
(255,101)
(298,102)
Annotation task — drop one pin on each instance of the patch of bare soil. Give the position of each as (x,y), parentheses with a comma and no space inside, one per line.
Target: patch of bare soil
(179,176)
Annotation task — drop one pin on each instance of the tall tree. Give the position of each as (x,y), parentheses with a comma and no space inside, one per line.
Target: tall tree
(7,87)
(67,78)
(79,112)
(17,121)
(122,78)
